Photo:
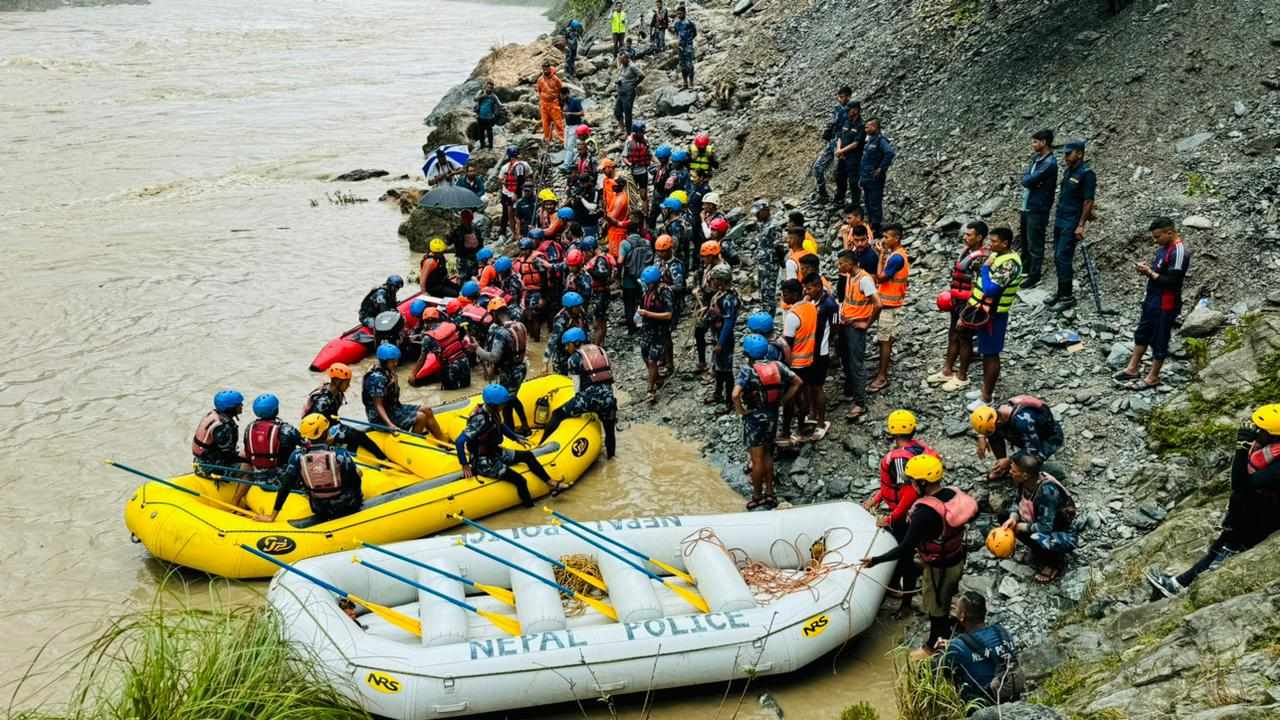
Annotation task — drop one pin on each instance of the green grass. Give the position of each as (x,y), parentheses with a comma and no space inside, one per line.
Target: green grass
(1198,352)
(860,711)
(1234,336)
(1199,428)
(923,693)
(1199,185)
(1072,677)
(187,664)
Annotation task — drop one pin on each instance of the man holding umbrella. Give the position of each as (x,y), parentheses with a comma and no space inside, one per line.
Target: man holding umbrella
(445,163)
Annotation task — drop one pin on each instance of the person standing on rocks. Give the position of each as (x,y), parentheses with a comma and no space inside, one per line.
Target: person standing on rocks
(768,245)
(572,36)
(839,116)
(512,177)
(897,493)
(617,217)
(1161,304)
(892,279)
(548,87)
(1026,422)
(655,312)
(590,364)
(574,118)
(992,296)
(721,317)
(877,157)
(800,330)
(848,155)
(628,84)
(618,27)
(638,158)
(859,307)
(815,291)
(673,223)
(1038,185)
(686,32)
(1043,516)
(964,273)
(659,21)
(1253,510)
(673,276)
(702,156)
(762,387)
(488,107)
(603,270)
(1075,210)
(935,530)
(531,267)
(471,180)
(573,314)
(709,256)
(635,254)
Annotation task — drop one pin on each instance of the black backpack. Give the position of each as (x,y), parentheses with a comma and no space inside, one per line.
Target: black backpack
(1009,683)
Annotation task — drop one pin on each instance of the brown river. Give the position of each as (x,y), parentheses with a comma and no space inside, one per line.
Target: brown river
(167,232)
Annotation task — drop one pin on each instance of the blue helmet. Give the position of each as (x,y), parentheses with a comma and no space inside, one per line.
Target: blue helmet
(574,335)
(416,308)
(387,351)
(513,151)
(484,254)
(575,24)
(672,204)
(470,289)
(755,346)
(502,264)
(680,156)
(565,213)
(571,299)
(495,394)
(639,126)
(395,281)
(650,275)
(527,243)
(588,243)
(537,233)
(761,322)
(225,400)
(266,406)
(663,152)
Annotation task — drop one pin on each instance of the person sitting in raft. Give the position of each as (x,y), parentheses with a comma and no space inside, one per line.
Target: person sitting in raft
(269,442)
(328,400)
(448,343)
(327,474)
(480,450)
(1025,422)
(1043,515)
(380,300)
(508,343)
(381,396)
(433,272)
(977,659)
(215,445)
(590,365)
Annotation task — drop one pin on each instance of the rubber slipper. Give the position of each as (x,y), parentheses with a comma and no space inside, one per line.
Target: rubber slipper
(754,503)
(1044,577)
(770,502)
(1124,377)
(820,432)
(877,387)
(854,413)
(1140,385)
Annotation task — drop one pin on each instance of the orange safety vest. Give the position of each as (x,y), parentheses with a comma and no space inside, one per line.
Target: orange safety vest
(893,292)
(856,304)
(806,339)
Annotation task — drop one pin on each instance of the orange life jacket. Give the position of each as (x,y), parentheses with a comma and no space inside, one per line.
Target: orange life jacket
(893,292)
(530,271)
(806,339)
(956,514)
(772,388)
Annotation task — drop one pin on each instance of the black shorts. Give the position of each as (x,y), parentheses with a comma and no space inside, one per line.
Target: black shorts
(641,180)
(1154,329)
(814,375)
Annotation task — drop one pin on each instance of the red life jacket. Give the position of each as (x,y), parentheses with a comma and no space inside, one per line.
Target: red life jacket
(961,280)
(530,270)
(600,268)
(956,514)
(321,474)
(450,340)
(771,386)
(1262,458)
(477,315)
(1030,402)
(262,444)
(891,486)
(1067,510)
(203,439)
(639,157)
(595,365)
(487,442)
(521,336)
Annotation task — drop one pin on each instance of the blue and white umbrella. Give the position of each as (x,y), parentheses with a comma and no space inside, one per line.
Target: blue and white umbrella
(444,160)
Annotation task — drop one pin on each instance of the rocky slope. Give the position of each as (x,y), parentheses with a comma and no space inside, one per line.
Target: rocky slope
(1179,103)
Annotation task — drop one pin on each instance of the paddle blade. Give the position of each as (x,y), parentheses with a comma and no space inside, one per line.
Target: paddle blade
(674,571)
(601,607)
(399,619)
(502,595)
(689,596)
(509,625)
(591,580)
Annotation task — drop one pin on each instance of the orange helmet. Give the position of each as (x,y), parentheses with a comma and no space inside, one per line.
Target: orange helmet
(340,371)
(663,242)
(710,248)
(431,314)
(607,164)
(497,304)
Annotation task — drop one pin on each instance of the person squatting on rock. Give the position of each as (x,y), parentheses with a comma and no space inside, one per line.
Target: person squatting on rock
(1024,421)
(1042,517)
(981,659)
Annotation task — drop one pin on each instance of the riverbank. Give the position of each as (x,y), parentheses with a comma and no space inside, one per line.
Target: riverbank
(960,105)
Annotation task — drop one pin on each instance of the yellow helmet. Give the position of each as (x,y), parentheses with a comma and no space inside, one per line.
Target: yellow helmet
(1001,542)
(1267,418)
(547,195)
(314,426)
(810,246)
(925,468)
(680,195)
(983,420)
(900,422)
(437,245)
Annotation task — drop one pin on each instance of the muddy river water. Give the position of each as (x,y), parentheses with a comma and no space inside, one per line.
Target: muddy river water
(166,231)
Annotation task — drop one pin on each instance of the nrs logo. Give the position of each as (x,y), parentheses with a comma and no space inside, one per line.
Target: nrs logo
(814,626)
(383,682)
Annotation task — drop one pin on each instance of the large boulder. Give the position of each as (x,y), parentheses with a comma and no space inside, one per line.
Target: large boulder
(671,100)
(424,224)
(1203,321)
(1017,711)
(456,127)
(459,97)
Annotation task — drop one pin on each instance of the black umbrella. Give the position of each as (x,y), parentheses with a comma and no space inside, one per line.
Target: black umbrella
(451,197)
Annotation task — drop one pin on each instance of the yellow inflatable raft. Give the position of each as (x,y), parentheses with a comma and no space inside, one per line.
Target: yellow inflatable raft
(411,501)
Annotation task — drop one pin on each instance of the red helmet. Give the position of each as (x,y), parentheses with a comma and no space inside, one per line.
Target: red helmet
(945,301)
(582,131)
(454,307)
(701,140)
(574,258)
(719,225)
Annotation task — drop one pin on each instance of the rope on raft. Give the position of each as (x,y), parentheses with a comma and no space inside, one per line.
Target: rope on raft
(769,581)
(587,565)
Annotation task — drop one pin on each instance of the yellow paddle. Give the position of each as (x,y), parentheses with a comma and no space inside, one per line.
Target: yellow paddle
(498,593)
(508,625)
(658,563)
(212,501)
(689,596)
(591,580)
(600,607)
(395,617)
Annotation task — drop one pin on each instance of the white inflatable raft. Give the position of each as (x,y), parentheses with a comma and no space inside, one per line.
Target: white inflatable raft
(463,664)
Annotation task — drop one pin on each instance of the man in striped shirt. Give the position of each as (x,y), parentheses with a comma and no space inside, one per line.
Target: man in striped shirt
(1160,306)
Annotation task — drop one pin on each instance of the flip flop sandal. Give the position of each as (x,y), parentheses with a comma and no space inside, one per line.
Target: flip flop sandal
(770,502)
(1044,577)
(785,442)
(1140,386)
(855,414)
(754,503)
(820,432)
(1123,377)
(877,387)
